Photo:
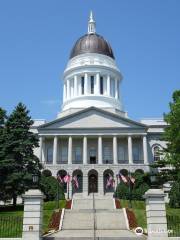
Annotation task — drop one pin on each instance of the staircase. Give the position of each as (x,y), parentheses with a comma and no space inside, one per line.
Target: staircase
(94,219)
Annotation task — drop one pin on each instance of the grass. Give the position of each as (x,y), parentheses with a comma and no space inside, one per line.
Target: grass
(13,228)
(139,211)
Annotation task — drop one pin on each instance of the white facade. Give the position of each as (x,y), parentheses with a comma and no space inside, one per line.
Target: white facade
(92,136)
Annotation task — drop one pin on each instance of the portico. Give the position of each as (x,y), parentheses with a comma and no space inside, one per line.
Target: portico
(101,149)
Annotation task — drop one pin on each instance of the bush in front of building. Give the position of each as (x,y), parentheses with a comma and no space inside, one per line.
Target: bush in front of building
(134,191)
(51,188)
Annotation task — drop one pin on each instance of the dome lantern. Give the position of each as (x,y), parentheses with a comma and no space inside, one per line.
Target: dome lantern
(91,24)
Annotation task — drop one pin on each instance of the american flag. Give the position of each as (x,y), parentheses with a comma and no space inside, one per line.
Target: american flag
(67,178)
(60,179)
(75,181)
(110,182)
(124,179)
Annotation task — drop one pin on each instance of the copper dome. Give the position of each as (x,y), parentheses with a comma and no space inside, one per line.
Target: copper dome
(92,43)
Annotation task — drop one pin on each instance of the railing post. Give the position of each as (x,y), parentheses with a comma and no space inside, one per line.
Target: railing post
(33,213)
(156,215)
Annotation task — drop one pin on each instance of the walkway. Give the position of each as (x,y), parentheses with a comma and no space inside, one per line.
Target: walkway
(96,219)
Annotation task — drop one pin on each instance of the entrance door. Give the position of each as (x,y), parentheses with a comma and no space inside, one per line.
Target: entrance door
(93,183)
(92,160)
(92,155)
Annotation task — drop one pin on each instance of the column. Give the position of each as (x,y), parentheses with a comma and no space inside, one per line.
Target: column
(116,88)
(145,155)
(85,184)
(33,214)
(99,150)
(115,157)
(108,85)
(64,91)
(70,150)
(130,156)
(40,148)
(100,184)
(68,88)
(98,83)
(75,86)
(84,150)
(43,150)
(156,214)
(55,150)
(86,84)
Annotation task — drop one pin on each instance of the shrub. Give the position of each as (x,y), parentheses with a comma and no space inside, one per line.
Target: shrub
(50,187)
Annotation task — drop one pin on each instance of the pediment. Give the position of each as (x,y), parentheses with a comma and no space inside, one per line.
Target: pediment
(92,118)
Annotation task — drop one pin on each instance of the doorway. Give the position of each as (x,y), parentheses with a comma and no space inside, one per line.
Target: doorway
(92,155)
(93,181)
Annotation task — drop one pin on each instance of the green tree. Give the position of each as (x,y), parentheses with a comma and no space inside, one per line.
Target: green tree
(3,171)
(51,188)
(18,161)
(174,194)
(170,164)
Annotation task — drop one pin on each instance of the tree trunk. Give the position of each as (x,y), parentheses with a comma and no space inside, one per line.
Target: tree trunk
(14,200)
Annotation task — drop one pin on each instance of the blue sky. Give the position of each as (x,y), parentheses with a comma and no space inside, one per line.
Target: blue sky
(36,37)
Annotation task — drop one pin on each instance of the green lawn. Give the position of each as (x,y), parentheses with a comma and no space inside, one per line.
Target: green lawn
(139,209)
(12,227)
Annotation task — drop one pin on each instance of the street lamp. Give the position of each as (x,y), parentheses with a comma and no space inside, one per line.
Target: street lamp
(35,179)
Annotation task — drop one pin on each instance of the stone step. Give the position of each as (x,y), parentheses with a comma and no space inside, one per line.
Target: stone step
(110,220)
(77,220)
(100,235)
(98,203)
(85,219)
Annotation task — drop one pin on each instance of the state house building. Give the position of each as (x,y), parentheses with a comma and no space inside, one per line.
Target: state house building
(93,137)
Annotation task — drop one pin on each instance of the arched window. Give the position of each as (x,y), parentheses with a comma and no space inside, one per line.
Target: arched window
(156,153)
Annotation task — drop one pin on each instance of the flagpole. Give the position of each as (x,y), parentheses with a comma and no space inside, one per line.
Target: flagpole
(129,181)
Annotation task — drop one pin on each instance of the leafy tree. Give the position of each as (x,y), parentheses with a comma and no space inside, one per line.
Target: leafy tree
(18,161)
(170,165)
(174,194)
(46,173)
(3,118)
(50,186)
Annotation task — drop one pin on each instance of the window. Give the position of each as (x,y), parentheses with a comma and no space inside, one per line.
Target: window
(92,84)
(118,88)
(64,154)
(82,85)
(136,153)
(101,85)
(156,153)
(49,155)
(121,153)
(107,154)
(112,88)
(78,156)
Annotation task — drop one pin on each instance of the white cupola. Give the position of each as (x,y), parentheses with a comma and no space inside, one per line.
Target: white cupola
(91,77)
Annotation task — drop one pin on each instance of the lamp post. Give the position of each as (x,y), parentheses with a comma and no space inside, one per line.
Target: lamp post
(35,179)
